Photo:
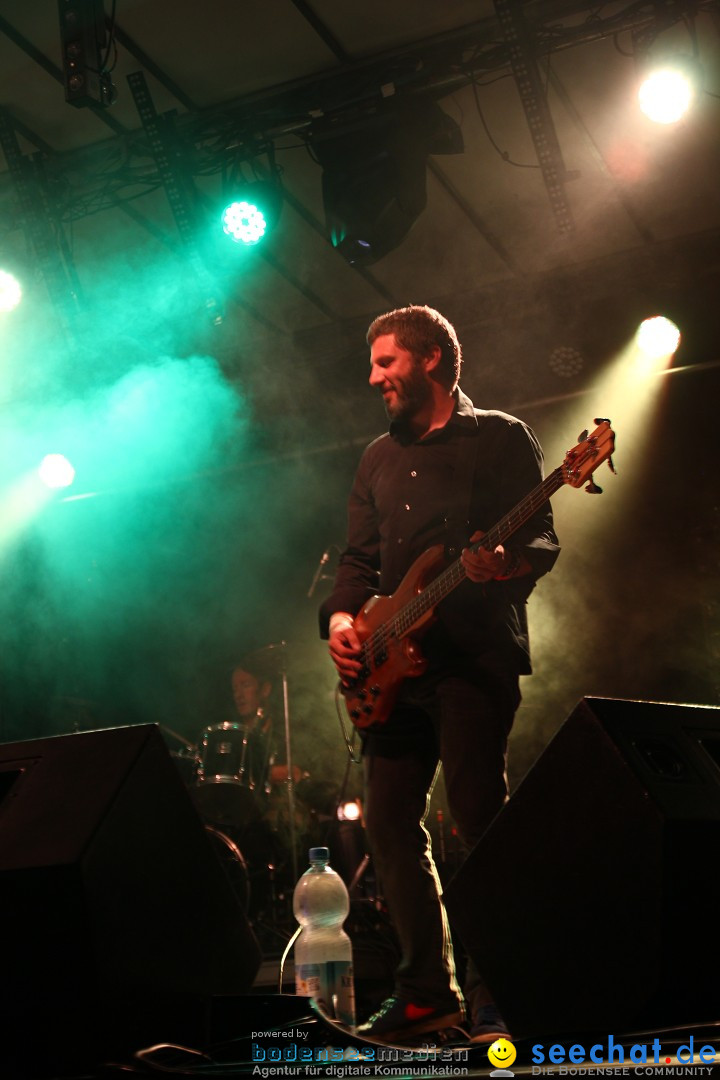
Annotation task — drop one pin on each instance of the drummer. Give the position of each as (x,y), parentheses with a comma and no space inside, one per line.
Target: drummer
(252,693)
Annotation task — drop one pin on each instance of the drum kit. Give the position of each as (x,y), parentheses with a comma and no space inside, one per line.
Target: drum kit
(253,808)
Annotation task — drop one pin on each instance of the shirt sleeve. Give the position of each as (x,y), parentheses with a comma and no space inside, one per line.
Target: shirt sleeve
(536,539)
(357,575)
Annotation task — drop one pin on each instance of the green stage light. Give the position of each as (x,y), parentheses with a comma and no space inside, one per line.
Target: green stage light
(55,471)
(10,291)
(244,222)
(251,213)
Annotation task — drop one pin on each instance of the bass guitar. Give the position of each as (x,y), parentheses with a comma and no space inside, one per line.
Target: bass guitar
(389,626)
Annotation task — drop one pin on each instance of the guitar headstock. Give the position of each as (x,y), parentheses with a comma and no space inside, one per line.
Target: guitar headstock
(591,450)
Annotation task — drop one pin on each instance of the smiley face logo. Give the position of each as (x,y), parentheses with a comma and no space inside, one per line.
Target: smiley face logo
(502,1053)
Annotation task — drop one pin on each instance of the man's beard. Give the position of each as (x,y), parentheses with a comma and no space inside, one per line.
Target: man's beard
(410,395)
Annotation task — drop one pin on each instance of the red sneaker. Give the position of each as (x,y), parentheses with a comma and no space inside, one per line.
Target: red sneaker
(398,1019)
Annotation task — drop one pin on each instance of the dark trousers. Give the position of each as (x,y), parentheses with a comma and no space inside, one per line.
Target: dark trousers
(463,721)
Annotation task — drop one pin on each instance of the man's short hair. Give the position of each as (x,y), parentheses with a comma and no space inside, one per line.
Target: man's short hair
(419,329)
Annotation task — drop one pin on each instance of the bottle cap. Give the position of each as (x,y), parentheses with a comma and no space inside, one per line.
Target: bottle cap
(319,854)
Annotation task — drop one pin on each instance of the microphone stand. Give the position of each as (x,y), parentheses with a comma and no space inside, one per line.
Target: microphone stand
(288,759)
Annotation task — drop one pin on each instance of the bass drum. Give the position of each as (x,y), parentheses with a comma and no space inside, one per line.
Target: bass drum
(233,862)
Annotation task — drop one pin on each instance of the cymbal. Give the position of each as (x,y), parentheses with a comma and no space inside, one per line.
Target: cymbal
(273,655)
(273,646)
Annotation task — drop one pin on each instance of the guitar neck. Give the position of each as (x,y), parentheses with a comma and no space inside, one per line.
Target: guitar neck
(452,575)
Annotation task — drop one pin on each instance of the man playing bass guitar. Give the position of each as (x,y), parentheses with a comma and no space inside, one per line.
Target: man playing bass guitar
(442,475)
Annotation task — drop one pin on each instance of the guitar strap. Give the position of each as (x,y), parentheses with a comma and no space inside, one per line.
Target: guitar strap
(457,522)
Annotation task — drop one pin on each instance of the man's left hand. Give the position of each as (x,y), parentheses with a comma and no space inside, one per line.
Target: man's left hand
(484,565)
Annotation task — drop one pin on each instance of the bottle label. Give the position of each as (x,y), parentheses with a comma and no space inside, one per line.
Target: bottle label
(331,985)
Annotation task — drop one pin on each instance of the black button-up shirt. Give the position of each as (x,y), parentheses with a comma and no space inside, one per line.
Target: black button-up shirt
(411,493)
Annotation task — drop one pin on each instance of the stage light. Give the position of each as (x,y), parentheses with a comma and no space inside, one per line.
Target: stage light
(566,361)
(83,37)
(55,471)
(244,222)
(252,213)
(350,811)
(374,179)
(667,92)
(10,291)
(657,337)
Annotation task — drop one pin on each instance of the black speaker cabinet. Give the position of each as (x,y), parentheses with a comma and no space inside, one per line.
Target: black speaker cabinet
(593,899)
(113,901)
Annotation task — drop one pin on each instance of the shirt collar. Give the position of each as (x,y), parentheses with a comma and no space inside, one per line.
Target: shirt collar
(464,412)
(463,415)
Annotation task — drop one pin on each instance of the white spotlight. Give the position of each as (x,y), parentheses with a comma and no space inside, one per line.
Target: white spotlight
(657,337)
(665,95)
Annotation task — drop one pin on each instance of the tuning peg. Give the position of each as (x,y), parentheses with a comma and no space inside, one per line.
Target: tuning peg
(592,488)
(583,435)
(611,466)
(601,420)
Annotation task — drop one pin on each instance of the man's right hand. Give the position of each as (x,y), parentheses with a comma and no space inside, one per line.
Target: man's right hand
(344,646)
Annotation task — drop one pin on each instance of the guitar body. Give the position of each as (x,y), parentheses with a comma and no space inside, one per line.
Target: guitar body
(370,699)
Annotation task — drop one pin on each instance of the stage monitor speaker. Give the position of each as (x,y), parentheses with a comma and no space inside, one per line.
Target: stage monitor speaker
(592,900)
(113,901)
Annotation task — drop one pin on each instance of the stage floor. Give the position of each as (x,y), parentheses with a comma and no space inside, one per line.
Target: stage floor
(270,1034)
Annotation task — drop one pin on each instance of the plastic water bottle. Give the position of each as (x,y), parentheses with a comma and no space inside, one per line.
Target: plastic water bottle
(323,951)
